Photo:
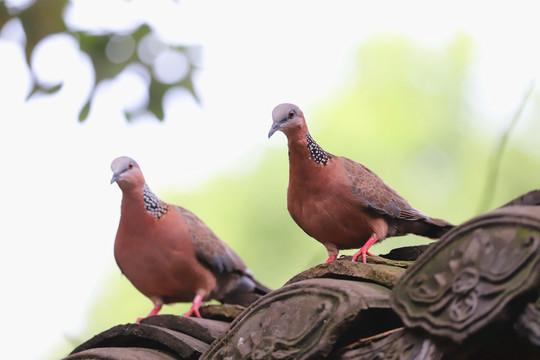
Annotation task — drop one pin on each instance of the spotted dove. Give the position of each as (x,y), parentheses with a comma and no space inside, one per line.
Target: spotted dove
(169,254)
(339,202)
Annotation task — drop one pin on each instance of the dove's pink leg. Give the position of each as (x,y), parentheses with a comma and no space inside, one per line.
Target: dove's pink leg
(331,258)
(364,250)
(155,310)
(195,306)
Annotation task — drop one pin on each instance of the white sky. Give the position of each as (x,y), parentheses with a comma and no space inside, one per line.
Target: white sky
(59,212)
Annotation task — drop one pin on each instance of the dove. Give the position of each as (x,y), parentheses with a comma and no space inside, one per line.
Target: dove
(169,254)
(340,202)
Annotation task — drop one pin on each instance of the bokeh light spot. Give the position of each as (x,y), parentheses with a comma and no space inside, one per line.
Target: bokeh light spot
(149,48)
(120,48)
(171,66)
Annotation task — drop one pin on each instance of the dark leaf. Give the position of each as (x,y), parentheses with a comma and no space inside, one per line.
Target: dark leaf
(40,20)
(94,46)
(141,32)
(47,90)
(155,98)
(128,116)
(83,114)
(188,84)
(4,15)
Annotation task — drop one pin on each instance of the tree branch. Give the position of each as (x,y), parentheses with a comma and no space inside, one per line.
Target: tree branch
(493,170)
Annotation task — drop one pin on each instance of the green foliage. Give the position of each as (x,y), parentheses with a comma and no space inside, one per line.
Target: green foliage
(44,18)
(404,113)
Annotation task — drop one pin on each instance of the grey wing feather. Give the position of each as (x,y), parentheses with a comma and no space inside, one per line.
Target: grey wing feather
(374,194)
(209,249)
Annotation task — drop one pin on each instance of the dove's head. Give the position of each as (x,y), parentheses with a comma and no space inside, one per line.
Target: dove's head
(126,172)
(286,118)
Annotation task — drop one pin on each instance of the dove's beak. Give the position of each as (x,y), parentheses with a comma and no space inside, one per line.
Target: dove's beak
(275,127)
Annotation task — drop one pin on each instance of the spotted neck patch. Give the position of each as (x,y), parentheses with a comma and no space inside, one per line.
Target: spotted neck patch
(153,204)
(316,152)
